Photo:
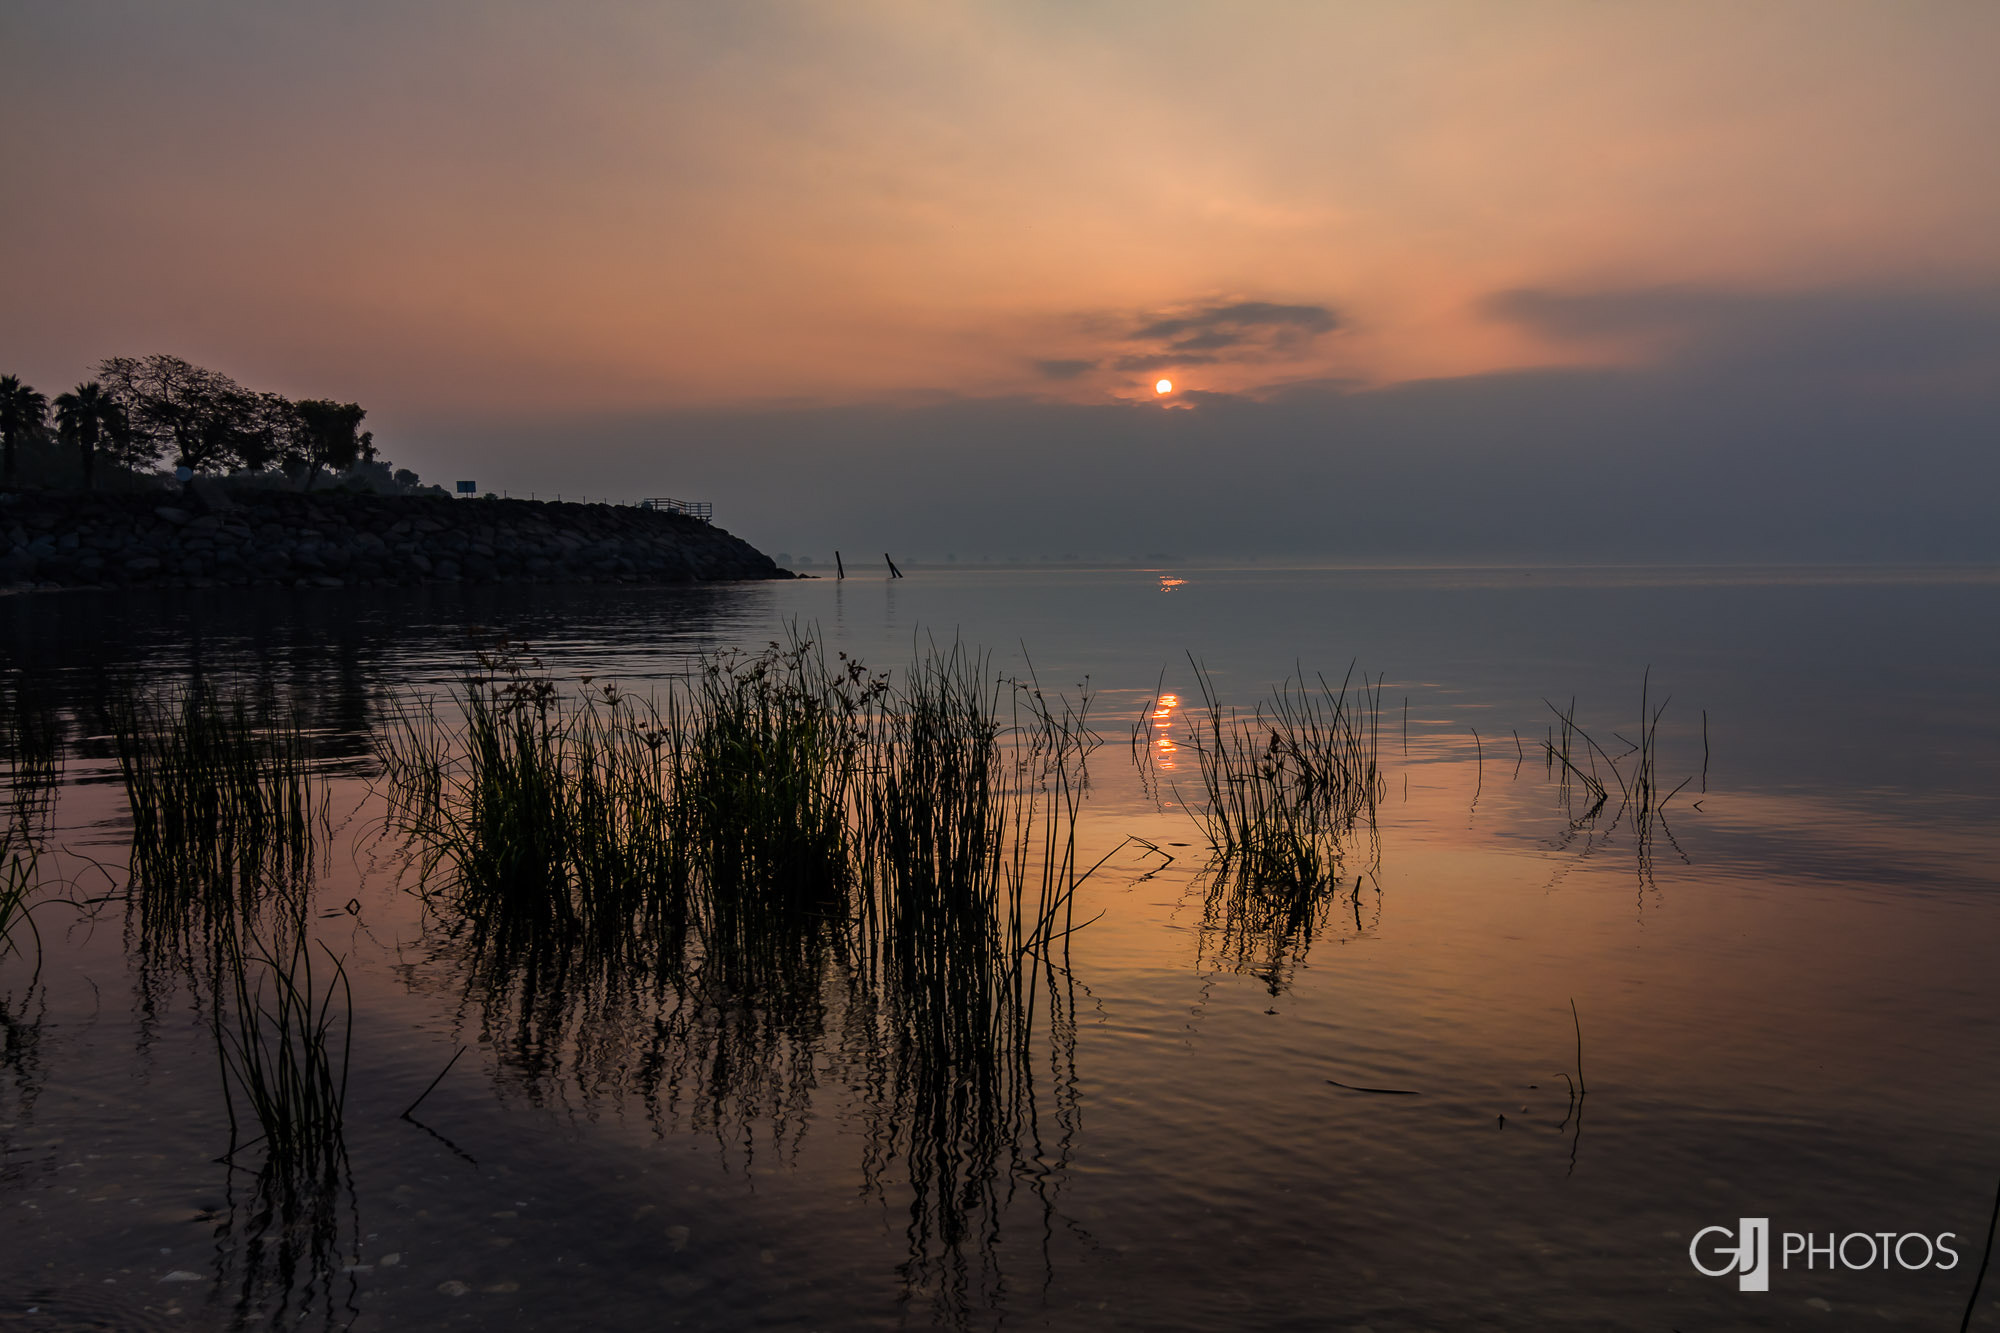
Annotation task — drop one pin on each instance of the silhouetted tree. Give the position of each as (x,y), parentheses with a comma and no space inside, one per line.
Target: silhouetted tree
(275,433)
(330,435)
(203,416)
(84,416)
(22,414)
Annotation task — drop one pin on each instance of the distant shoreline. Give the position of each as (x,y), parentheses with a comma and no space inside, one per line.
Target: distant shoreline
(211,537)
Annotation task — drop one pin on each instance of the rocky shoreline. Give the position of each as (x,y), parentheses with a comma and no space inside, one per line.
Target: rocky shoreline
(210,536)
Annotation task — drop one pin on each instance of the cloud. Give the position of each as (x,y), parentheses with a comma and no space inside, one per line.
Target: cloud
(1823,334)
(1205,334)
(1240,322)
(1230,331)
(1147,363)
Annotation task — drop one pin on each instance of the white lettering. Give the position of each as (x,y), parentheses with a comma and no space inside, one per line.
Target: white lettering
(1746,1251)
(1694,1256)
(1754,1254)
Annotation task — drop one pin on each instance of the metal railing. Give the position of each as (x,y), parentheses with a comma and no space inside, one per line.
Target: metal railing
(700,509)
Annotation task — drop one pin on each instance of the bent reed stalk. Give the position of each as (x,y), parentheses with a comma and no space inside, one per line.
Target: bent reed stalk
(18,880)
(1640,795)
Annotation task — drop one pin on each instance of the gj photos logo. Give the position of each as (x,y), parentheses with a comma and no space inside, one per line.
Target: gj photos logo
(1746,1252)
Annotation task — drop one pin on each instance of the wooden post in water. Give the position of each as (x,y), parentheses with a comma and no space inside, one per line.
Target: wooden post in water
(839,570)
(894,572)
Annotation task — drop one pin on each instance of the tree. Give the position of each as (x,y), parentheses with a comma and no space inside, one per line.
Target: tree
(277,434)
(206,418)
(84,416)
(22,414)
(330,435)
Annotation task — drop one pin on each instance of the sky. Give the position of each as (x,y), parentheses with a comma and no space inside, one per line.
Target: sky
(1457,281)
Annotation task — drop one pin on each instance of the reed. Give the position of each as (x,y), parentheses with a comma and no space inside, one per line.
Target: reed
(817,787)
(767,777)
(1290,791)
(621,818)
(1288,786)
(227,803)
(760,789)
(1574,757)
(1562,756)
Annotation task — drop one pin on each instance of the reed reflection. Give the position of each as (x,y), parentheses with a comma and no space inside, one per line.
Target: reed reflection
(33,746)
(229,833)
(22,1072)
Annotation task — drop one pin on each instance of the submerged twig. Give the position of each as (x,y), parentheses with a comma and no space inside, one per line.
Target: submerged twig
(432,1085)
(1386,1092)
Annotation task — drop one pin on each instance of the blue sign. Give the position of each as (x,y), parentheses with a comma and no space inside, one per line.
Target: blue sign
(467,487)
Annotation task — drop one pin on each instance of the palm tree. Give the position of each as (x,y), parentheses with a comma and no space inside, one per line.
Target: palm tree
(83,416)
(22,412)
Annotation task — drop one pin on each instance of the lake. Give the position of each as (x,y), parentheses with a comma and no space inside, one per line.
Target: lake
(1510,1064)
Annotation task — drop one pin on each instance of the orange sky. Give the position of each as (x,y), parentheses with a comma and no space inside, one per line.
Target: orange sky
(627,207)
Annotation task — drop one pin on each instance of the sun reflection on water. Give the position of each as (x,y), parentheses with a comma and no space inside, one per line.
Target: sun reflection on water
(1162,718)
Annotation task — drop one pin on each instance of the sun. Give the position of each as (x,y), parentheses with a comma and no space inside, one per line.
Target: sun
(1164,386)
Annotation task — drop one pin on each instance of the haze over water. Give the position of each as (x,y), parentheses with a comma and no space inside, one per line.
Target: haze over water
(1784,1002)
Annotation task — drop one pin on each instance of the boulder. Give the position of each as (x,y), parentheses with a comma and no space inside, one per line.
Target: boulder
(210,495)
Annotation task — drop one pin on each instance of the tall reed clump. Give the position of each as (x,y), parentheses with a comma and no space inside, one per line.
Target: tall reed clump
(768,752)
(963,985)
(226,799)
(782,868)
(1287,786)
(1287,791)
(631,821)
(928,821)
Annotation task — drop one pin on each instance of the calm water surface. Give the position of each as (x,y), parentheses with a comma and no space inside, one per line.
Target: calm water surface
(1786,997)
